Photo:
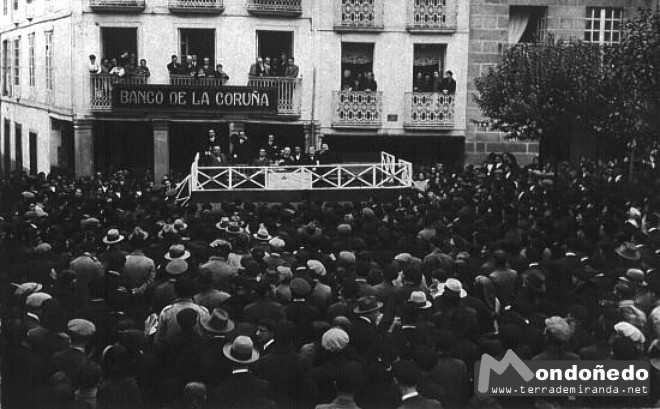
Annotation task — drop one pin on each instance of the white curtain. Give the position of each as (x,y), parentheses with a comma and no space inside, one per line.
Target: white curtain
(518,20)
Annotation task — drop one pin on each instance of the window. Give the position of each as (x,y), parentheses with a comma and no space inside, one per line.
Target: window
(118,40)
(527,24)
(18,146)
(49,60)
(5,7)
(15,4)
(16,64)
(357,60)
(197,43)
(31,66)
(6,157)
(6,68)
(274,45)
(428,67)
(33,152)
(603,25)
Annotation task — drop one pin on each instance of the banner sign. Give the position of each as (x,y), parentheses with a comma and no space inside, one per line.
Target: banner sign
(230,99)
(289,180)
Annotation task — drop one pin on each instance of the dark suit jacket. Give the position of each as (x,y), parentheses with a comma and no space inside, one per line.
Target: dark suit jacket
(290,377)
(242,390)
(292,71)
(418,402)
(365,339)
(69,361)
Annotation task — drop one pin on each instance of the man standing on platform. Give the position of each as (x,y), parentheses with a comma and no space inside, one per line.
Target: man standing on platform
(242,154)
(297,156)
(207,148)
(217,158)
(272,150)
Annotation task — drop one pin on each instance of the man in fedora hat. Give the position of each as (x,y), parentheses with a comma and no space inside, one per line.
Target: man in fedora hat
(242,389)
(365,337)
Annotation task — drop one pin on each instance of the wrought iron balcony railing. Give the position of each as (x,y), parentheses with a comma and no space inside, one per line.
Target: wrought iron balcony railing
(117,5)
(289,92)
(360,15)
(101,89)
(285,8)
(358,109)
(196,6)
(187,81)
(429,109)
(431,15)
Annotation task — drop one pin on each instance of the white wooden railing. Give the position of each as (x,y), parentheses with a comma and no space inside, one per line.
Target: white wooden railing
(429,109)
(389,174)
(358,108)
(289,92)
(101,89)
(432,15)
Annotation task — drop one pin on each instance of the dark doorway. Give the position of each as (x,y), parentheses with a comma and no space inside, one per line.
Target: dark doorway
(188,139)
(199,42)
(18,146)
(447,150)
(6,165)
(122,145)
(33,152)
(273,43)
(61,143)
(116,40)
(285,135)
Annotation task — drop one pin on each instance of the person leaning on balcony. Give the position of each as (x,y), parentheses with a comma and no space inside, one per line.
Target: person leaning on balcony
(369,83)
(292,69)
(142,70)
(117,70)
(449,83)
(437,82)
(418,83)
(220,74)
(267,67)
(347,80)
(174,67)
(206,70)
(257,69)
(105,66)
(94,67)
(427,85)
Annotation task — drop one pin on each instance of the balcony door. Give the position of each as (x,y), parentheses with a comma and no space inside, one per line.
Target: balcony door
(428,66)
(357,60)
(273,44)
(118,39)
(199,42)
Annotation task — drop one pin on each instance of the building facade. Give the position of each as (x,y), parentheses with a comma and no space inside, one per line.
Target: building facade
(56,115)
(498,24)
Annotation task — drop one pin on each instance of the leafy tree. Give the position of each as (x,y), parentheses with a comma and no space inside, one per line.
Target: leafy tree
(546,92)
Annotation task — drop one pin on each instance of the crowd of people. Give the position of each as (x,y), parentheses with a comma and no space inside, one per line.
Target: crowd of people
(244,152)
(361,81)
(113,297)
(191,68)
(126,65)
(426,82)
(282,67)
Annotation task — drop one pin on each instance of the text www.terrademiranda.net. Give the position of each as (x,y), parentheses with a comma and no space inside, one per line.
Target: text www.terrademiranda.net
(570,390)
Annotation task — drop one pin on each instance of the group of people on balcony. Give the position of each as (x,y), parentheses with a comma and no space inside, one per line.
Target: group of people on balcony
(427,83)
(362,81)
(191,68)
(243,152)
(124,66)
(274,67)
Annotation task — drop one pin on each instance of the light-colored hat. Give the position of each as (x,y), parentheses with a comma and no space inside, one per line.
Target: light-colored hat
(81,327)
(218,322)
(177,251)
(452,285)
(242,350)
(418,299)
(627,330)
(35,300)
(113,237)
(335,340)
(558,328)
(316,267)
(28,288)
(635,276)
(176,267)
(262,234)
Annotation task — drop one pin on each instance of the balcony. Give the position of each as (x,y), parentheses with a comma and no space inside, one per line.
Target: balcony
(289,92)
(357,109)
(435,16)
(196,6)
(360,15)
(117,5)
(187,81)
(101,90)
(429,110)
(282,8)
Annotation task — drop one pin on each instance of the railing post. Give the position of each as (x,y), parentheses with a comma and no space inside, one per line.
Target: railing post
(231,174)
